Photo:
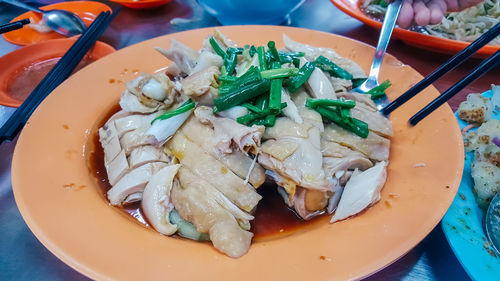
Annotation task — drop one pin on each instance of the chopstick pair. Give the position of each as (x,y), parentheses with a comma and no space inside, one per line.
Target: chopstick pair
(13,25)
(485,66)
(56,76)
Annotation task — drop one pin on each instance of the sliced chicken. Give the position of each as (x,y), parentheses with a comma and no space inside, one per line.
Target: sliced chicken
(132,182)
(359,98)
(237,161)
(195,203)
(337,167)
(133,139)
(375,120)
(285,127)
(340,85)
(291,111)
(133,122)
(202,86)
(375,147)
(207,167)
(146,154)
(361,191)
(184,57)
(131,103)
(207,59)
(156,199)
(117,168)
(310,203)
(319,84)
(110,142)
(229,133)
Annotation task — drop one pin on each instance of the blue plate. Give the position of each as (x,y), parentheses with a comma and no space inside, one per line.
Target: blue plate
(463,226)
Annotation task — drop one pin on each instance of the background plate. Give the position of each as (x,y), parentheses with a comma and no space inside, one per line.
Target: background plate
(463,226)
(63,206)
(429,42)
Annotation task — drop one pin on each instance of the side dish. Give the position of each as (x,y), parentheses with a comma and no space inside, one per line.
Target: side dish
(466,25)
(484,142)
(193,144)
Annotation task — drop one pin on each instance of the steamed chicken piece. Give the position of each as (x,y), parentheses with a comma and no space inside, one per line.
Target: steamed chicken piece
(147,154)
(374,147)
(184,57)
(229,133)
(340,85)
(361,191)
(319,84)
(236,161)
(154,88)
(366,100)
(133,122)
(302,157)
(194,199)
(207,59)
(375,120)
(156,199)
(207,167)
(133,182)
(202,86)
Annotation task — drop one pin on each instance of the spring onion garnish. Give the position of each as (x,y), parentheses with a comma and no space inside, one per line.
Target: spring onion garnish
(312,103)
(270,120)
(241,95)
(262,58)
(354,125)
(357,82)
(279,73)
(186,106)
(231,60)
(186,229)
(275,92)
(262,102)
(333,69)
(218,50)
(225,78)
(252,51)
(252,107)
(379,91)
(250,117)
(274,52)
(251,76)
(304,73)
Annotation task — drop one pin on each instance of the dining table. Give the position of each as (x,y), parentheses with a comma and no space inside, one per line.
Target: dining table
(23,257)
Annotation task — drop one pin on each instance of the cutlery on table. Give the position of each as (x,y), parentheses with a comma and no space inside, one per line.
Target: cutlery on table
(63,22)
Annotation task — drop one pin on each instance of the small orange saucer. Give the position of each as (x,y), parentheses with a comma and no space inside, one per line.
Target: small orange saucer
(13,64)
(141,4)
(86,10)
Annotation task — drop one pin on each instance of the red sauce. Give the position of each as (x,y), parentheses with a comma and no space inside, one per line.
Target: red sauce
(24,80)
(272,217)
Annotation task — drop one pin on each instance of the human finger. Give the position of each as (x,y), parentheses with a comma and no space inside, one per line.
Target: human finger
(436,11)
(422,13)
(405,17)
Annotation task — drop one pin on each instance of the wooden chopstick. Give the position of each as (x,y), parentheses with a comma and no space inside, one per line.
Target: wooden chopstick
(56,76)
(447,66)
(483,68)
(13,25)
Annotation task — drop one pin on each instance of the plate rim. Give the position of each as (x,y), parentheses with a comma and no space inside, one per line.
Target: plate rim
(83,269)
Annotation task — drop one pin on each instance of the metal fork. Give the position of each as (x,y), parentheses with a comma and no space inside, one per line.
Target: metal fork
(383,41)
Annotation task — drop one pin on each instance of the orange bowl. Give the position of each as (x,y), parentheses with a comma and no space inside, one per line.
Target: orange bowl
(14,63)
(141,4)
(428,42)
(86,10)
(65,208)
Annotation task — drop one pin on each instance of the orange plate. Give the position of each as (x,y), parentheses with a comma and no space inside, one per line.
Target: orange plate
(428,42)
(15,61)
(65,209)
(141,4)
(86,10)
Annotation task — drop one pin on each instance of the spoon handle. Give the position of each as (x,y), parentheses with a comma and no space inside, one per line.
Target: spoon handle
(385,35)
(22,5)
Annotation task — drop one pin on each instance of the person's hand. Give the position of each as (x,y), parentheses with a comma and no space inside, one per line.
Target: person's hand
(424,12)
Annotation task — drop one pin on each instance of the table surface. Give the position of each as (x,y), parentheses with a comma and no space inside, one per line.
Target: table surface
(23,257)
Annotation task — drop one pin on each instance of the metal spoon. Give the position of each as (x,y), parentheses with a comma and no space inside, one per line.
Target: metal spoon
(383,41)
(492,222)
(63,22)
